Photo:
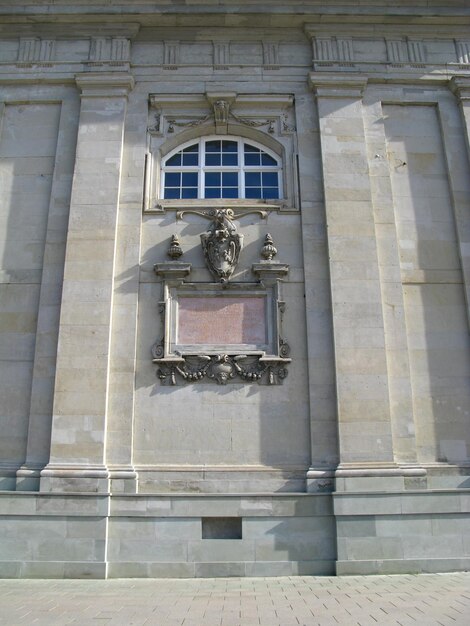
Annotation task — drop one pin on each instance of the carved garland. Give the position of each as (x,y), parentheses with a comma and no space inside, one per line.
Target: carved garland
(221,113)
(221,245)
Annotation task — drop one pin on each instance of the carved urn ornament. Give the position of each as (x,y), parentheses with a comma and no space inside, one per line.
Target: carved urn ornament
(198,343)
(175,250)
(269,250)
(221,245)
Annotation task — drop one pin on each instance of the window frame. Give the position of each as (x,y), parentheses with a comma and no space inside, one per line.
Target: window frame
(241,169)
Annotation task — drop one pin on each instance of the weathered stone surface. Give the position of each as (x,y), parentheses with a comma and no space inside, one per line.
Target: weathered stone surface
(366,110)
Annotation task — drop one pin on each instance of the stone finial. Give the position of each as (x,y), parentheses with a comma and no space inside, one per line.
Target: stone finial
(269,250)
(175,250)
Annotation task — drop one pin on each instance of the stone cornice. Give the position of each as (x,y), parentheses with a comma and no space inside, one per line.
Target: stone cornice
(104,84)
(276,13)
(337,85)
(460,86)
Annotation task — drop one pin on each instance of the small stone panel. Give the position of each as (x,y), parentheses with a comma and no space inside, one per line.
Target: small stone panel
(221,528)
(222,320)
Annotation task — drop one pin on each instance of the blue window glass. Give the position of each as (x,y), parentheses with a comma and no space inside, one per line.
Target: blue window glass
(269,179)
(229,146)
(230,159)
(253,179)
(212,192)
(172,193)
(189,192)
(230,179)
(175,161)
(189,179)
(213,179)
(253,192)
(213,159)
(267,160)
(172,179)
(270,192)
(185,173)
(190,159)
(252,155)
(230,192)
(213,146)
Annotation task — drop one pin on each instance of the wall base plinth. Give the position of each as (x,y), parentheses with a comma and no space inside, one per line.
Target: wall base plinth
(402,532)
(74,479)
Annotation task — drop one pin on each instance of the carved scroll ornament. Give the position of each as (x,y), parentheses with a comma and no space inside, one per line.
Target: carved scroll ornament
(191,356)
(222,368)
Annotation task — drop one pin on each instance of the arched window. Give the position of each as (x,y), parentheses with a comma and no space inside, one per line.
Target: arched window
(213,167)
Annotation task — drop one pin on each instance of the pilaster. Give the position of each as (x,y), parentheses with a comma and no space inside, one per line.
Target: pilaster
(77,457)
(45,353)
(364,424)
(461,88)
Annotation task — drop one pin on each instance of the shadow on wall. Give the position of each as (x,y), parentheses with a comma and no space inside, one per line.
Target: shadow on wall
(243,425)
(435,309)
(27,167)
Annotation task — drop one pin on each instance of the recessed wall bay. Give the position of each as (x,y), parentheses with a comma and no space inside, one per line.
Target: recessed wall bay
(28,143)
(435,311)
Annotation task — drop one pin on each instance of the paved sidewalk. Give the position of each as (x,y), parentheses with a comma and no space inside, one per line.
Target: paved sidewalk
(427,599)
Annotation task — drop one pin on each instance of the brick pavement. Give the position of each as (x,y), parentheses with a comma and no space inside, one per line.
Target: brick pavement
(407,600)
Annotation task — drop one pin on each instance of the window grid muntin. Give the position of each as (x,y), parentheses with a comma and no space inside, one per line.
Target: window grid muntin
(241,169)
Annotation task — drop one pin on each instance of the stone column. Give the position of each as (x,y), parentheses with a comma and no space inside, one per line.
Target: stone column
(77,457)
(461,88)
(363,404)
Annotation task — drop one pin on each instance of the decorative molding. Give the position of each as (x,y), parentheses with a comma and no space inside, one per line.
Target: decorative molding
(271,55)
(171,54)
(220,115)
(337,85)
(221,245)
(262,356)
(175,250)
(463,51)
(323,49)
(397,51)
(175,118)
(156,128)
(333,49)
(223,368)
(228,213)
(197,206)
(221,51)
(104,84)
(416,51)
(188,124)
(120,49)
(109,50)
(269,250)
(345,49)
(460,86)
(36,50)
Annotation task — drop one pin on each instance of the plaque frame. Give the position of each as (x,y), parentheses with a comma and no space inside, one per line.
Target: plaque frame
(264,363)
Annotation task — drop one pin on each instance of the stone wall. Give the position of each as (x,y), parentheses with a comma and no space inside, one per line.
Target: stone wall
(365,402)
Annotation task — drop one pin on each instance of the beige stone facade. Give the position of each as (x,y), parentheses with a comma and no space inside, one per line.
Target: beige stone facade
(331,435)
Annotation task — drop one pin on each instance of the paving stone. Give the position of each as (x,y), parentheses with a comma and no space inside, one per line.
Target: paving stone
(424,600)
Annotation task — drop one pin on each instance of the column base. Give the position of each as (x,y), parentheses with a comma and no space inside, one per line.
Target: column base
(28,477)
(8,476)
(123,479)
(74,479)
(379,477)
(320,479)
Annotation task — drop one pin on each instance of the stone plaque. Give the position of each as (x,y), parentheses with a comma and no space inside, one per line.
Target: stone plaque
(222,320)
